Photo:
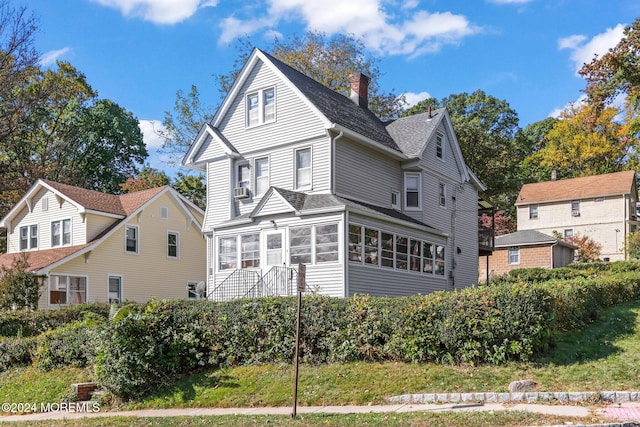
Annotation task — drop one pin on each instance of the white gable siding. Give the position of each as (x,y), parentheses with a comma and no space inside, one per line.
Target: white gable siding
(365,174)
(295,121)
(43,219)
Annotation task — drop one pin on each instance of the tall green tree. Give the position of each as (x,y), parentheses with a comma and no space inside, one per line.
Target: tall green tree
(147,178)
(192,187)
(328,60)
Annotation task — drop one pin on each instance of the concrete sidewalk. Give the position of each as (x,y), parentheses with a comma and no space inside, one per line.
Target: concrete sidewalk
(562,410)
(617,413)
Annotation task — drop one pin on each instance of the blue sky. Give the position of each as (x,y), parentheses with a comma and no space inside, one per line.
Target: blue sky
(138,53)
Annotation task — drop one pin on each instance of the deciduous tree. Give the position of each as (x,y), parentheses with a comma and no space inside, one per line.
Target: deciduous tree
(192,187)
(147,178)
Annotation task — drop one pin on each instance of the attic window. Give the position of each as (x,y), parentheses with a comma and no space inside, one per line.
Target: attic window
(45,204)
(261,107)
(164,212)
(439,146)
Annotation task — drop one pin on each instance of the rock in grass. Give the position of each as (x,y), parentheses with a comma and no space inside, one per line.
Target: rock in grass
(523,385)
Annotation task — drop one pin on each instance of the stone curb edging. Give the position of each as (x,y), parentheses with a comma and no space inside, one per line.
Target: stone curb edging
(528,397)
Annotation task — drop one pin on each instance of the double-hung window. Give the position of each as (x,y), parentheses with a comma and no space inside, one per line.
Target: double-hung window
(575,208)
(227,253)
(67,289)
(412,190)
(250,250)
(173,242)
(303,168)
(262,175)
(115,289)
(533,211)
(439,146)
(61,232)
(261,107)
(131,239)
(326,243)
(24,238)
(514,255)
(300,245)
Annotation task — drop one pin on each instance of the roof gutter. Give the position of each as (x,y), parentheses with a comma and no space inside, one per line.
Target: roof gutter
(375,144)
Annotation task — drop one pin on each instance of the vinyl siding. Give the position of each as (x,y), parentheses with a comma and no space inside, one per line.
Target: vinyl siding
(96,224)
(465,237)
(380,281)
(218,193)
(150,273)
(291,111)
(326,278)
(365,174)
(43,219)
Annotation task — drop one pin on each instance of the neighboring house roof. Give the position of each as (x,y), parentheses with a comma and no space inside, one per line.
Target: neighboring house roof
(40,259)
(611,184)
(528,238)
(121,206)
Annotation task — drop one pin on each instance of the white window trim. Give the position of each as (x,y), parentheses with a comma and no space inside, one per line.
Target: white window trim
(255,175)
(86,288)
(537,209)
(239,165)
(398,204)
(126,227)
(177,244)
(295,169)
(442,194)
(261,107)
(109,276)
(62,244)
(514,248)
(413,208)
(440,143)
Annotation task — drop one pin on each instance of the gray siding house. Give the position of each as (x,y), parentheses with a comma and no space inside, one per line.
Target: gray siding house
(300,174)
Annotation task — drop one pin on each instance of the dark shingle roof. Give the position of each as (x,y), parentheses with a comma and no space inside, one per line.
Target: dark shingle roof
(412,133)
(336,107)
(526,237)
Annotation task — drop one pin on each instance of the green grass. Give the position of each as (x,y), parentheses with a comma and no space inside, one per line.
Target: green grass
(604,356)
(449,419)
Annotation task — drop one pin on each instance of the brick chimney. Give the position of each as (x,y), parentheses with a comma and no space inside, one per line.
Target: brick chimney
(359,89)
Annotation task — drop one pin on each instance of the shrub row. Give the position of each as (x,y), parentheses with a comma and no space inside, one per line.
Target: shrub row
(151,347)
(22,323)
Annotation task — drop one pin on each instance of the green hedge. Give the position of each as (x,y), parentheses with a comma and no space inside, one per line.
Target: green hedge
(32,323)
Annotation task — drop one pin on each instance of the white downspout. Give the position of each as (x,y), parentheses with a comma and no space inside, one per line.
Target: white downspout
(332,174)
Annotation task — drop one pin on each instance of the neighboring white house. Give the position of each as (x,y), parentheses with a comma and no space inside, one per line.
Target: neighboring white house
(95,247)
(602,207)
(300,174)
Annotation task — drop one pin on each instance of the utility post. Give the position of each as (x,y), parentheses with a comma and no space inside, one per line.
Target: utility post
(302,270)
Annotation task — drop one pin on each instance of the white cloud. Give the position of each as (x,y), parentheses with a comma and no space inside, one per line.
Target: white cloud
(583,52)
(50,58)
(152,131)
(158,11)
(413,98)
(405,31)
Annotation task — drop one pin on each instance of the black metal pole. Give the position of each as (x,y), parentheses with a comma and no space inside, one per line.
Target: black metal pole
(295,362)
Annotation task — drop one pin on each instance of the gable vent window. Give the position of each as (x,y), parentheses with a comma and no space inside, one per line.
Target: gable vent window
(261,107)
(164,212)
(45,204)
(442,194)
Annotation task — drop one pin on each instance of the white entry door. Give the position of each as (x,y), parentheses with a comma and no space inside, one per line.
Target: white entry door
(274,249)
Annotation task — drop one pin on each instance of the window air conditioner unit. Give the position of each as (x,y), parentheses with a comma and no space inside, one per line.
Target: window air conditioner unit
(575,213)
(241,192)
